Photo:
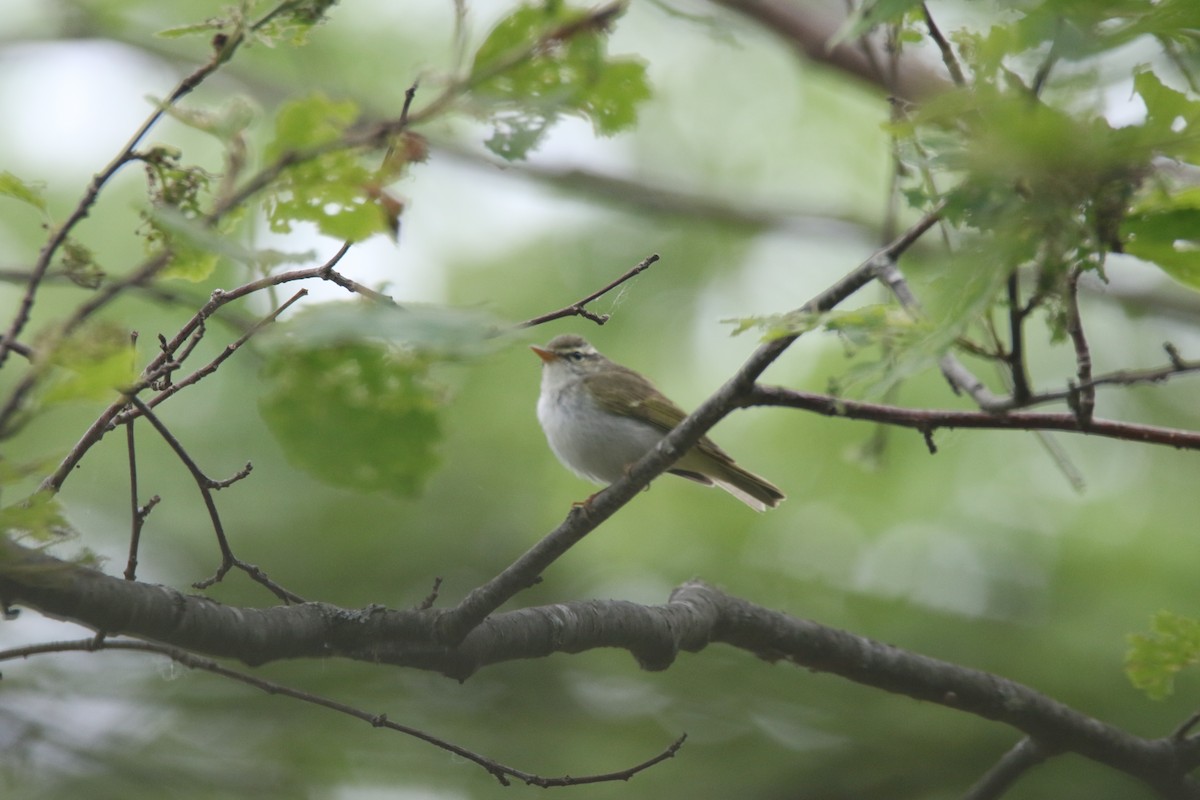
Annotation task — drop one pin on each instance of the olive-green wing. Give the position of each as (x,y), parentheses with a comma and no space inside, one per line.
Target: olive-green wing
(621,390)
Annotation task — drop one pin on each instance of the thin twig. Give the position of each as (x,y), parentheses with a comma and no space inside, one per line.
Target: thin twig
(932,419)
(136,518)
(1083,390)
(206,486)
(501,772)
(578,308)
(102,297)
(948,57)
(105,421)
(1052,56)
(221,357)
(1016,350)
(1124,377)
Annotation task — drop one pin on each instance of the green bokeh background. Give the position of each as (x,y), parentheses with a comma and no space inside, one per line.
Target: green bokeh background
(981,555)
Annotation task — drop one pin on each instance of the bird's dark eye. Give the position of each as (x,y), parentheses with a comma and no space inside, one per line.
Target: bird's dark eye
(575,355)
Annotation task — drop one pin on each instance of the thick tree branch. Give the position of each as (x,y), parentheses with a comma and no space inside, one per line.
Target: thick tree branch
(695,616)
(810,27)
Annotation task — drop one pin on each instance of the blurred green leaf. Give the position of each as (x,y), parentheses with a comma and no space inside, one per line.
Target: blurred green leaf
(334,190)
(80,264)
(355,415)
(446,332)
(865,16)
(29,193)
(225,123)
(191,29)
(39,517)
(1164,229)
(545,61)
(1171,117)
(93,363)
(309,122)
(861,326)
(1168,239)
(195,248)
(1155,658)
(292,21)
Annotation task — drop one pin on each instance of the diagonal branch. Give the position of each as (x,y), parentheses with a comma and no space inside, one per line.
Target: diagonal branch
(1024,756)
(579,307)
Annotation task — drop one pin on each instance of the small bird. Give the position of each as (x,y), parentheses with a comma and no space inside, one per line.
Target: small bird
(600,418)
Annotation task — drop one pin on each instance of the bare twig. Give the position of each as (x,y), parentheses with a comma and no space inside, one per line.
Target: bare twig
(155,368)
(926,420)
(213,365)
(1083,396)
(137,513)
(501,772)
(1052,56)
(206,486)
(102,297)
(1016,350)
(578,308)
(948,57)
(1124,377)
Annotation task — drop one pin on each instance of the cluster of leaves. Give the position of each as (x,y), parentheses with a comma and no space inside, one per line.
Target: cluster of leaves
(543,62)
(350,393)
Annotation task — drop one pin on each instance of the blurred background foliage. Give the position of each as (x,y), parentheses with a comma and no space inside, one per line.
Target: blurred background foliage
(759,179)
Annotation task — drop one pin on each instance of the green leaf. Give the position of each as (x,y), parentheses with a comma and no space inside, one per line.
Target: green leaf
(293,22)
(1171,117)
(357,415)
(432,330)
(312,121)
(861,326)
(195,248)
(80,264)
(39,517)
(868,15)
(334,190)
(95,362)
(229,121)
(192,29)
(1165,230)
(14,187)
(542,62)
(1154,659)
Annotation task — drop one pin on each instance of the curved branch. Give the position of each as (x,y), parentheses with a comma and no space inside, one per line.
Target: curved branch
(695,616)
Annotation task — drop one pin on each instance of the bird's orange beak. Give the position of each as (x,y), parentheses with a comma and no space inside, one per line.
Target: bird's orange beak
(545,355)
